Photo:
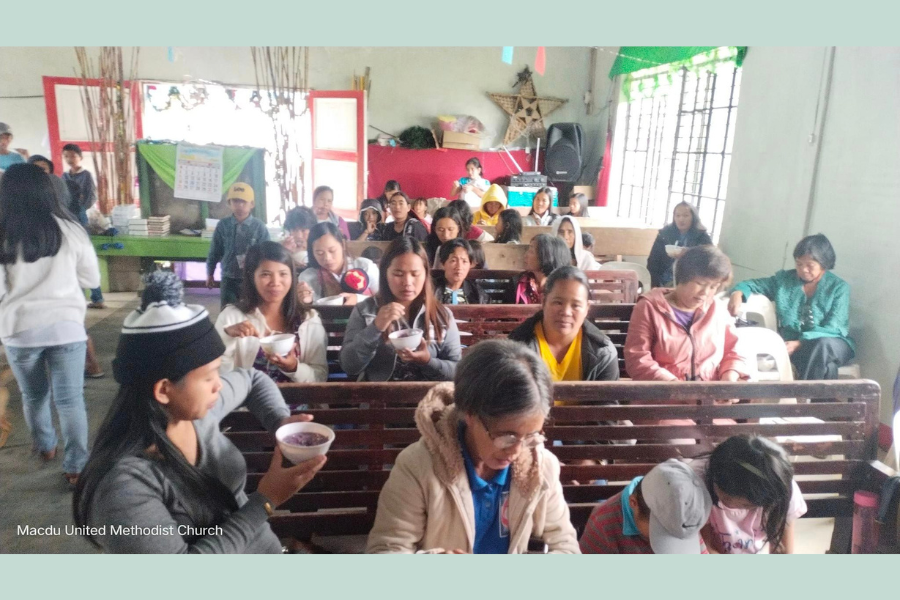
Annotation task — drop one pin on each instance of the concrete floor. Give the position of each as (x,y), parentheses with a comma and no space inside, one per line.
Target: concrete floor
(34,493)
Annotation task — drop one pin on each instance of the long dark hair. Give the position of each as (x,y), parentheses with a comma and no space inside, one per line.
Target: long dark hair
(552,252)
(433,242)
(330,287)
(28,205)
(435,314)
(136,422)
(465,213)
(758,470)
(543,190)
(696,225)
(292,310)
(512,226)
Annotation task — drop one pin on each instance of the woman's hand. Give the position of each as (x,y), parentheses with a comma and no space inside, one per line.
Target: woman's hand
(279,483)
(349,299)
(242,330)
(420,355)
(287,364)
(792,346)
(734,303)
(387,314)
(304,293)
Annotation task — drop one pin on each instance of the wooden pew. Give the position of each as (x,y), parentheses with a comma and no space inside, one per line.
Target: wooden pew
(342,499)
(478,322)
(608,241)
(607,285)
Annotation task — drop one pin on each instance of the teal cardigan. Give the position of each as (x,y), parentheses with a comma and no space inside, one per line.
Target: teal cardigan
(830,305)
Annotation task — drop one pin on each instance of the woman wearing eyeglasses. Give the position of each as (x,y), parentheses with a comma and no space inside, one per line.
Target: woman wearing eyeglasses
(479,480)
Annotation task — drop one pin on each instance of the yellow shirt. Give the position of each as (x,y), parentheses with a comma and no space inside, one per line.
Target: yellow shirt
(570,367)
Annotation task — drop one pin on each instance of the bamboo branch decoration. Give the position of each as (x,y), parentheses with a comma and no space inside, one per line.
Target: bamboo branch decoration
(281,78)
(109,121)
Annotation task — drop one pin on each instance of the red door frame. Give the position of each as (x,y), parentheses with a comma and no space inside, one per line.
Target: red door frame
(359,156)
(56,143)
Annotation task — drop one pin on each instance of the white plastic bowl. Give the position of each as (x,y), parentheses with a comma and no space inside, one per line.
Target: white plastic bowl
(279,344)
(673,251)
(299,454)
(406,339)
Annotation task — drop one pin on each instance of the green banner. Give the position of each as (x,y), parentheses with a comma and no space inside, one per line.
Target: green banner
(161,158)
(638,58)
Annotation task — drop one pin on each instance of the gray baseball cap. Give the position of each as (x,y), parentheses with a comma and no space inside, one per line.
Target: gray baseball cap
(679,506)
(4,128)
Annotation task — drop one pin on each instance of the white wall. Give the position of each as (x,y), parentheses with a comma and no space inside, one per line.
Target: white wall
(410,86)
(855,199)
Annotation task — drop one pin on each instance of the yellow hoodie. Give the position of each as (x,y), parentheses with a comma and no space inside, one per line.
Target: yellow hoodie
(493,194)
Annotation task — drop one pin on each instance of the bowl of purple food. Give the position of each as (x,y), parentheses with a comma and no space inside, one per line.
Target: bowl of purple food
(300,442)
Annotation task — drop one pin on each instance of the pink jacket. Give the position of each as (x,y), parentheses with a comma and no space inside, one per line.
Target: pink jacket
(658,348)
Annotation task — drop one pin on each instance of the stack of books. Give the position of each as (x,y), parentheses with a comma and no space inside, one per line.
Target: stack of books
(158,226)
(154,226)
(121,215)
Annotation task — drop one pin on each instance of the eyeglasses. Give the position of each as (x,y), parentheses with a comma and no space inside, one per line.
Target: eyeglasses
(506,441)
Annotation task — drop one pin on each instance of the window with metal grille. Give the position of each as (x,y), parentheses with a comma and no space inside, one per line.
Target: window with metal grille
(672,142)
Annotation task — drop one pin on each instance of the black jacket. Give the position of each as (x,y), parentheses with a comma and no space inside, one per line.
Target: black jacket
(475,294)
(659,263)
(599,358)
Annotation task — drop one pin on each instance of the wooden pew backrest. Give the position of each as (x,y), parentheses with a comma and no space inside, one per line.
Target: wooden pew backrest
(381,421)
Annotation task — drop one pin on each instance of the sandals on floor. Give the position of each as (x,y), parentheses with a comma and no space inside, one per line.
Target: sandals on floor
(71,478)
(97,305)
(97,375)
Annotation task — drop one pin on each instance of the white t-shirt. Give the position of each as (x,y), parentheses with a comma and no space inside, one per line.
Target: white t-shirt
(740,531)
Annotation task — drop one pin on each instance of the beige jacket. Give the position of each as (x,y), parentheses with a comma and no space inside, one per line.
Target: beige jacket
(426,503)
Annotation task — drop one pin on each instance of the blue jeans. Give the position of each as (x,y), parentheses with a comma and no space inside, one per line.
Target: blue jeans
(57,372)
(96,295)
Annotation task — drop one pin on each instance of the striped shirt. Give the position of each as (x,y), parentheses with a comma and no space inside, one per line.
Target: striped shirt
(603,533)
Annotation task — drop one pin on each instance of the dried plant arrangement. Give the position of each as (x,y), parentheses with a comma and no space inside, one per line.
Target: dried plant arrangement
(109,115)
(281,81)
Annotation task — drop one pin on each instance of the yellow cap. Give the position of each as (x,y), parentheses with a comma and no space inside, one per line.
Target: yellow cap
(240,191)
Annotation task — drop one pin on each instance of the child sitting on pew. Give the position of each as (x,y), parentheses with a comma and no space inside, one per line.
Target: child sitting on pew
(297,223)
(405,300)
(755,498)
(493,201)
(451,285)
(509,227)
(660,513)
(329,265)
(544,255)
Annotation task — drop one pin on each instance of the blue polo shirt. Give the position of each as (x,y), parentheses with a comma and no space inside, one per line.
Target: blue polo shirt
(491,502)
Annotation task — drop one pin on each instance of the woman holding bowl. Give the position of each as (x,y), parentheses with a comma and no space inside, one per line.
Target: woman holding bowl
(406,306)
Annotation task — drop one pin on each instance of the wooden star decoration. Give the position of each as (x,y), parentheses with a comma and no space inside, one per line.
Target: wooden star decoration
(526,109)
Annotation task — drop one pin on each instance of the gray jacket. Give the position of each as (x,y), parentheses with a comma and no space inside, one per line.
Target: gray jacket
(367,357)
(139,492)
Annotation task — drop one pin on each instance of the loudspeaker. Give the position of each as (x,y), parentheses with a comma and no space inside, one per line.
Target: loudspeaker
(563,159)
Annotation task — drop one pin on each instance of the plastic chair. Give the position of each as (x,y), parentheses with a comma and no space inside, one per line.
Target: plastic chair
(762,310)
(643,273)
(773,363)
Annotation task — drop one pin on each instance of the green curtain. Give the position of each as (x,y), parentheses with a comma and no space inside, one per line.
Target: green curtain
(161,158)
(637,58)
